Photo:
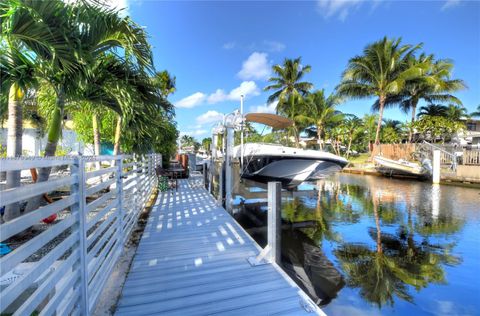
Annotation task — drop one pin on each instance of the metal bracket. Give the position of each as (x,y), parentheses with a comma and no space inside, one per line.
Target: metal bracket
(260,259)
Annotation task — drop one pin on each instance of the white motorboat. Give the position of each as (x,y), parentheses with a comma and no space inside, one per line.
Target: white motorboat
(402,168)
(291,166)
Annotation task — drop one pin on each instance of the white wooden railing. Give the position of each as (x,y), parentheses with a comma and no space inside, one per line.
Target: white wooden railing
(61,268)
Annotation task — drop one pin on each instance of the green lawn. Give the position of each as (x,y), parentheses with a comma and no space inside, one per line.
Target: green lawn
(362,158)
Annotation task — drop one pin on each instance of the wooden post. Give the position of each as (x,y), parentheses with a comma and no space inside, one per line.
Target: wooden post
(436,167)
(274,222)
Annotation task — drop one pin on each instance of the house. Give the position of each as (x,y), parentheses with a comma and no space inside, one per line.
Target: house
(34,141)
(471,135)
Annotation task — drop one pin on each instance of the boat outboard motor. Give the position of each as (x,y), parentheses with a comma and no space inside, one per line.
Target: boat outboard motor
(427,165)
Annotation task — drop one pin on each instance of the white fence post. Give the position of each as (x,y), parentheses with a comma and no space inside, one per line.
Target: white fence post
(274,221)
(79,209)
(436,167)
(119,187)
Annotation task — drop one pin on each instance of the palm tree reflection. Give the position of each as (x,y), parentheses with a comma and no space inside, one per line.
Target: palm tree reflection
(396,263)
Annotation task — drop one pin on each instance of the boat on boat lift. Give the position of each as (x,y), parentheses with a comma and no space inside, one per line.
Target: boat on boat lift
(403,168)
(291,166)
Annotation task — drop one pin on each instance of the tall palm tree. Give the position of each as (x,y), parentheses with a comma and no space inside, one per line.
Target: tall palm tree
(435,85)
(432,110)
(27,35)
(91,31)
(287,81)
(321,111)
(381,71)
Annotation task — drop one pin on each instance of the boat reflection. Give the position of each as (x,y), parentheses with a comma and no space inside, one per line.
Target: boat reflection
(386,240)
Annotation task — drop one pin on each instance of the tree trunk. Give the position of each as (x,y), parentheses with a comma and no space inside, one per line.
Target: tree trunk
(380,116)
(96,140)
(96,135)
(54,133)
(319,135)
(296,135)
(14,145)
(414,110)
(118,134)
(377,224)
(350,139)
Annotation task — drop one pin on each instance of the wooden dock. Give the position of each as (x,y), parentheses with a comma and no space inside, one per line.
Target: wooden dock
(192,260)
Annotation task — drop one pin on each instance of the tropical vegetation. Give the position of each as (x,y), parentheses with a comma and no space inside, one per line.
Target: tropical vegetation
(390,73)
(82,61)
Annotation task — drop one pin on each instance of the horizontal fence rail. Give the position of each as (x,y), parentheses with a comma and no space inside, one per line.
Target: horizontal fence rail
(60,266)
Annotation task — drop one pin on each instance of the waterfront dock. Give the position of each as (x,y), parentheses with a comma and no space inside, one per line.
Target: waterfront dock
(192,260)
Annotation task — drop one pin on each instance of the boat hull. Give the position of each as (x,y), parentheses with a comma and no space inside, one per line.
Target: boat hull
(393,168)
(291,166)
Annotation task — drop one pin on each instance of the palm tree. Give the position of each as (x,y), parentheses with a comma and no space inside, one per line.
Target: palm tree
(381,71)
(355,126)
(165,82)
(476,113)
(287,81)
(369,123)
(320,111)
(456,112)
(293,108)
(434,86)
(90,32)
(27,35)
(432,110)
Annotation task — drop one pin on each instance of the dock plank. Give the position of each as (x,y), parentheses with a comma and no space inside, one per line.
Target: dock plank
(192,260)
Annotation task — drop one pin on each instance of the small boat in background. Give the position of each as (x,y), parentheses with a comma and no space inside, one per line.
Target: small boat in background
(403,168)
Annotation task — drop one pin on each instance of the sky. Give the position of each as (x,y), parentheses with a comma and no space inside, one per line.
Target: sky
(219,50)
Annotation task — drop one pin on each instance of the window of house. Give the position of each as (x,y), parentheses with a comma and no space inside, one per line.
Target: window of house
(471,126)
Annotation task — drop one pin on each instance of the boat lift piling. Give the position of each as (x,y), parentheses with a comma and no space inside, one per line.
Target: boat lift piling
(272,253)
(274,222)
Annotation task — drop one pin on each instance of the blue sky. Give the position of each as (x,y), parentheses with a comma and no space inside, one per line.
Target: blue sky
(219,50)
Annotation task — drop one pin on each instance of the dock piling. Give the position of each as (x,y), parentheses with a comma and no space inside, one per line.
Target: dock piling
(274,222)
(436,167)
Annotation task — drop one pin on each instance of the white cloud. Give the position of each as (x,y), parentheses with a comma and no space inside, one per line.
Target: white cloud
(255,67)
(340,8)
(121,5)
(209,117)
(266,108)
(450,4)
(217,96)
(246,88)
(229,45)
(191,101)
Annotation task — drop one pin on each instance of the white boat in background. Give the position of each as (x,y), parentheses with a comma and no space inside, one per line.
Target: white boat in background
(402,168)
(291,166)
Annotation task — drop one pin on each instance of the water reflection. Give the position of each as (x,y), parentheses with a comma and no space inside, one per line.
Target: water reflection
(387,240)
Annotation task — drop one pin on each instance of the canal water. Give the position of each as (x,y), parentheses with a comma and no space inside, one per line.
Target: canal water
(365,245)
